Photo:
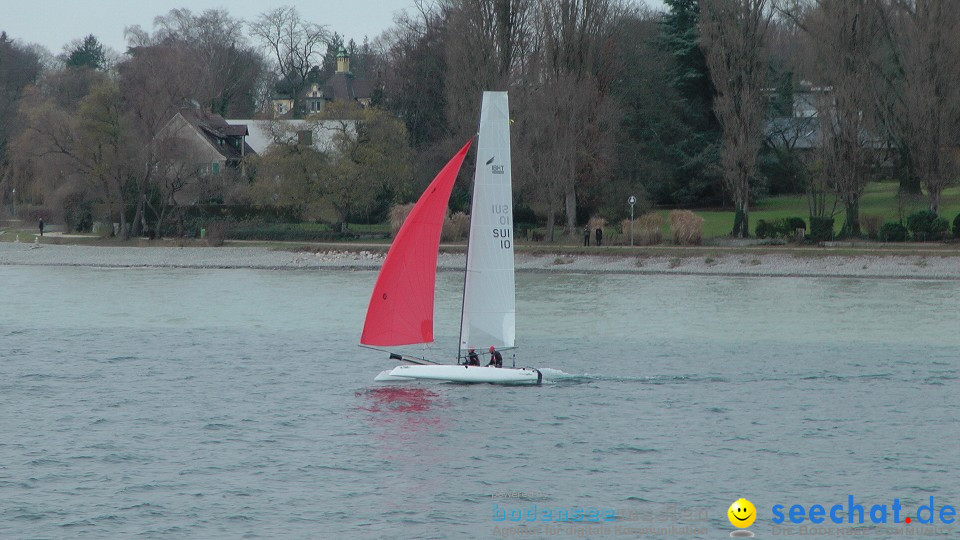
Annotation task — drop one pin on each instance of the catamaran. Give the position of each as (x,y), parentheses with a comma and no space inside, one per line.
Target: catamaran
(401,309)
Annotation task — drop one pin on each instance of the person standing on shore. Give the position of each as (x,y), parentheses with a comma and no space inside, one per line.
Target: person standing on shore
(586,236)
(41,226)
(599,236)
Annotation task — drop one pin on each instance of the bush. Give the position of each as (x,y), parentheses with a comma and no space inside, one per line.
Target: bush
(784,227)
(651,229)
(398,214)
(872,224)
(77,212)
(821,229)
(794,223)
(893,232)
(764,229)
(956,226)
(455,227)
(216,233)
(687,227)
(926,225)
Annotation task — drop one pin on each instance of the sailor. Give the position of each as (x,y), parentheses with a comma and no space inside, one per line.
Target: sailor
(472,358)
(496,359)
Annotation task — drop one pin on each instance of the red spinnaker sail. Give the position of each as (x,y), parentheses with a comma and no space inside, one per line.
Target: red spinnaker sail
(401,306)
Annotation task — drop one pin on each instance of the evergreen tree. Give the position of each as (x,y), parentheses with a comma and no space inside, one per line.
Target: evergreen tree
(694,179)
(88,53)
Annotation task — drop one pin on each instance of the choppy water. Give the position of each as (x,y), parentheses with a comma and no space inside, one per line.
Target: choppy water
(232,403)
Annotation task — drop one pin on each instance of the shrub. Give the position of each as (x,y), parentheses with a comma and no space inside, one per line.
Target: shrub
(77,212)
(646,229)
(686,226)
(299,232)
(871,223)
(596,222)
(398,214)
(926,225)
(216,233)
(784,227)
(101,229)
(893,232)
(956,226)
(821,228)
(794,223)
(764,229)
(33,214)
(793,228)
(455,227)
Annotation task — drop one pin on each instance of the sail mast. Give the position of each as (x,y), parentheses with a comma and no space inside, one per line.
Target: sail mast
(466,266)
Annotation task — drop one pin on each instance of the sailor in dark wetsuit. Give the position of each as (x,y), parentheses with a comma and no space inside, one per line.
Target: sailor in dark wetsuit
(496,360)
(472,358)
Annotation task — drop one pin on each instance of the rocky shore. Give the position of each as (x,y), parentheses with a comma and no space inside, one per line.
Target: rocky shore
(726,264)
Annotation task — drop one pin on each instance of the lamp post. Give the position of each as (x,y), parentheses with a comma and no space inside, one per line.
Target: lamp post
(14,203)
(631,201)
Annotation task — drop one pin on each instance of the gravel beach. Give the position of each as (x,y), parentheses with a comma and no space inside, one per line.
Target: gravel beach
(731,264)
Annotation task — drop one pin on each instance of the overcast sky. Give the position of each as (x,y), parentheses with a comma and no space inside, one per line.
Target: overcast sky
(54,23)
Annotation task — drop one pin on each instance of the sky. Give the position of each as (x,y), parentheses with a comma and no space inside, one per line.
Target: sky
(55,23)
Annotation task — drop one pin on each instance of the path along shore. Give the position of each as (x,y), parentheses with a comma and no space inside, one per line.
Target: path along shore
(736,263)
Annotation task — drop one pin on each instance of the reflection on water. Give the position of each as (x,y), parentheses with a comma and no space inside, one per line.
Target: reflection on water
(398,399)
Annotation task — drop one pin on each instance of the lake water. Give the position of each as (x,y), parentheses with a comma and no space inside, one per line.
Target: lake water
(157,403)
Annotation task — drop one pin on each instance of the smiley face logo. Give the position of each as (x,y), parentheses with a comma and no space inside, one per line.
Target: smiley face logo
(742,513)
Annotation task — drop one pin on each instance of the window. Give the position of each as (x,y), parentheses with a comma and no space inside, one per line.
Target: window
(216,167)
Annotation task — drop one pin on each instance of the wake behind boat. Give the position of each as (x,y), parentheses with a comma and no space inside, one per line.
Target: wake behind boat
(401,307)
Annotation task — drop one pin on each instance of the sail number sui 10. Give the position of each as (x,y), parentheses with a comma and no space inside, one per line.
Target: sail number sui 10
(503,213)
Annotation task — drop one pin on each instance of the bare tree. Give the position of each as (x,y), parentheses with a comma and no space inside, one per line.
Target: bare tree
(223,71)
(493,38)
(96,144)
(925,44)
(295,44)
(19,68)
(842,43)
(570,77)
(733,34)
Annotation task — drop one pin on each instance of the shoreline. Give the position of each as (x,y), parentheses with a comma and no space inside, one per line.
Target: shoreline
(935,266)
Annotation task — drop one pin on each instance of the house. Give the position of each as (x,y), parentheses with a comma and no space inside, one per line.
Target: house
(207,140)
(264,134)
(343,85)
(803,128)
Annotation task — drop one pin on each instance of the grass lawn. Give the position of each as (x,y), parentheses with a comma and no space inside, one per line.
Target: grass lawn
(879,199)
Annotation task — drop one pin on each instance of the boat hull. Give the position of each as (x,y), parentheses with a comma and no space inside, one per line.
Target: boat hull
(464,374)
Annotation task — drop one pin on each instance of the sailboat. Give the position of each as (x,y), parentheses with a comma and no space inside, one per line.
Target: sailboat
(401,307)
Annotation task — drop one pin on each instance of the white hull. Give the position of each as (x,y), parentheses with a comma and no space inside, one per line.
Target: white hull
(464,374)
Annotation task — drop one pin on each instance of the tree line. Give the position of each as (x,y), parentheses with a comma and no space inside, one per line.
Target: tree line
(695,106)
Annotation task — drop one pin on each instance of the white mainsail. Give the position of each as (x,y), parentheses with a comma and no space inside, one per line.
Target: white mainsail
(489,301)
